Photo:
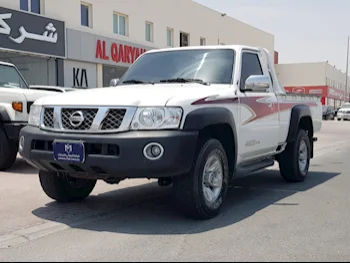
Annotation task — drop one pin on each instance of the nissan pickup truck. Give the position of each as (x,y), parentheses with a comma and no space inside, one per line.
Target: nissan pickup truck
(191,117)
(15,101)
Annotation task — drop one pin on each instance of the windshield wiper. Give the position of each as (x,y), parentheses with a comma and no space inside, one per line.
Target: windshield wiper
(183,80)
(135,81)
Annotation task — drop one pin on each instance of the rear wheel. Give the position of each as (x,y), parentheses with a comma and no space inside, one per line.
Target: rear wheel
(294,162)
(64,188)
(200,194)
(8,151)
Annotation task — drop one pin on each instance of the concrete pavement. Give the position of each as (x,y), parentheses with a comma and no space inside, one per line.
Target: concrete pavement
(263,219)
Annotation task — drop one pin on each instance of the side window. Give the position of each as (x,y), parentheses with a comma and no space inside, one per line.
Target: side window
(250,66)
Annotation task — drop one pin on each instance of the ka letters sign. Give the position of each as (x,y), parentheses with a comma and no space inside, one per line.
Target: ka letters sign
(31,33)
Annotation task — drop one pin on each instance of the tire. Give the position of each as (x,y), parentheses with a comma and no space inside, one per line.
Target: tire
(8,151)
(64,188)
(290,168)
(190,190)
(339,119)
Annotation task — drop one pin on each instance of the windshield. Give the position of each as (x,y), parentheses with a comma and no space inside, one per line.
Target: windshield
(205,66)
(10,78)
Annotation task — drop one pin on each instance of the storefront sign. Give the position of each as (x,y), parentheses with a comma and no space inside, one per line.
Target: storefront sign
(336,94)
(21,31)
(87,47)
(314,90)
(80,74)
(118,52)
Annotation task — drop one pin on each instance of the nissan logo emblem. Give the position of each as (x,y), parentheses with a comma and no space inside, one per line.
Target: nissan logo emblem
(76,119)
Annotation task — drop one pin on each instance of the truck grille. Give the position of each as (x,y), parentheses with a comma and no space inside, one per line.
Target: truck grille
(82,119)
(48,118)
(113,120)
(88,118)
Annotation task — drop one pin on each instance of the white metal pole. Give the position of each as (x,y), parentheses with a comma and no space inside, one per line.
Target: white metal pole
(347,70)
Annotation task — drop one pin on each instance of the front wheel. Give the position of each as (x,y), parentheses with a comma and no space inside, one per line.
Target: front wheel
(294,162)
(8,151)
(200,194)
(64,188)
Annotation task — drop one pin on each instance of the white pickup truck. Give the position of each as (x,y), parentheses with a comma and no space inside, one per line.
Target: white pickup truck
(15,101)
(193,117)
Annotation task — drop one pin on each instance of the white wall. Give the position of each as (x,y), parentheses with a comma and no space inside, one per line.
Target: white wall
(311,74)
(335,78)
(302,74)
(181,15)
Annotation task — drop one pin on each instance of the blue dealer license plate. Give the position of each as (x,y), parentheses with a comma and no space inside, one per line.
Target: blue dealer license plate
(73,152)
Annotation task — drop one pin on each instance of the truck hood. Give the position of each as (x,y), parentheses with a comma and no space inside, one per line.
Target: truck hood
(131,95)
(30,95)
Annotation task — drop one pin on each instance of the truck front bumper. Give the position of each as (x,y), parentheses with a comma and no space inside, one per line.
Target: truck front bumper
(112,155)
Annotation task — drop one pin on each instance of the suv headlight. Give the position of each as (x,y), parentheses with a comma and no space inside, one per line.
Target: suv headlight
(34,115)
(156,118)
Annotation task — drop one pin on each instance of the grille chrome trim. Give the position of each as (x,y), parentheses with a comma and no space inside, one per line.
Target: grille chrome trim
(96,126)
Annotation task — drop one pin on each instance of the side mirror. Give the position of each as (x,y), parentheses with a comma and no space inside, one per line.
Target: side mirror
(113,82)
(257,83)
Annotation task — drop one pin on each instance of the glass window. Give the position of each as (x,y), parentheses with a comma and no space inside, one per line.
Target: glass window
(250,66)
(115,24)
(149,32)
(110,73)
(10,78)
(35,6)
(203,41)
(184,40)
(170,41)
(119,24)
(35,70)
(84,15)
(24,5)
(209,65)
(122,25)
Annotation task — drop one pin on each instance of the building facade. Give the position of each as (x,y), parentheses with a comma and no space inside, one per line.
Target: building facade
(103,38)
(315,78)
(35,44)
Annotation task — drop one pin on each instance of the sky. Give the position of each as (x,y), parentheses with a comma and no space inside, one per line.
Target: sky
(304,30)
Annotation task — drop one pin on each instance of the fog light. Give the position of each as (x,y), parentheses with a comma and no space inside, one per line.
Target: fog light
(21,143)
(153,151)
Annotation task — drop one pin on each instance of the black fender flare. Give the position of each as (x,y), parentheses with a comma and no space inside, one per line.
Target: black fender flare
(205,117)
(298,112)
(4,117)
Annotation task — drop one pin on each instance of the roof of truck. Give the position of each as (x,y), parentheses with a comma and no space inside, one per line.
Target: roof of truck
(6,64)
(235,47)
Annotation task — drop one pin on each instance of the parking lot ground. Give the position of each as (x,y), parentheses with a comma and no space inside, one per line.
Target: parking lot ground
(263,219)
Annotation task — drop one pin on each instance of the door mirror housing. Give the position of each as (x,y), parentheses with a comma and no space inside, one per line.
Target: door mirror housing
(113,82)
(257,83)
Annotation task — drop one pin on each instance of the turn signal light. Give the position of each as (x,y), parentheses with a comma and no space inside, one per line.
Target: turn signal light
(17,106)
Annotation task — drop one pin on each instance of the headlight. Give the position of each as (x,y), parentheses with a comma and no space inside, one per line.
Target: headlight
(34,115)
(156,118)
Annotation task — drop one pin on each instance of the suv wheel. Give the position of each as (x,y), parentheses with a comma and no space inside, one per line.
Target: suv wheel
(64,188)
(8,151)
(200,194)
(294,162)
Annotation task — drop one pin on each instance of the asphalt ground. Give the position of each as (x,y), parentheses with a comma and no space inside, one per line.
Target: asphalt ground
(263,219)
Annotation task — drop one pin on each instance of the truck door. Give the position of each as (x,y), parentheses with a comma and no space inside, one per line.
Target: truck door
(259,122)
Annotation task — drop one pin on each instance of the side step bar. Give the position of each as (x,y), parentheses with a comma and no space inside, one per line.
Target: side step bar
(246,169)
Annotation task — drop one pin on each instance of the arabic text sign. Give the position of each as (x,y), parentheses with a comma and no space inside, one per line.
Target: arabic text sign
(31,33)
